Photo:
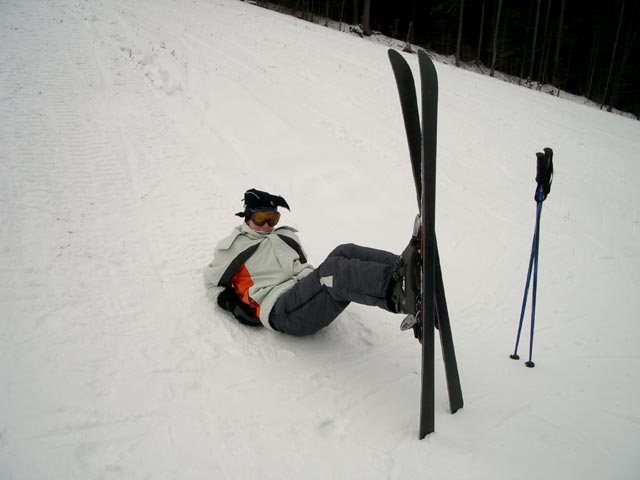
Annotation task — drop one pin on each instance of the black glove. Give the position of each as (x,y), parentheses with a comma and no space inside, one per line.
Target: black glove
(229,301)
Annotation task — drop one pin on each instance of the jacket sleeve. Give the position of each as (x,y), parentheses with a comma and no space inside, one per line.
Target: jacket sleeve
(219,289)
(213,273)
(218,280)
(212,276)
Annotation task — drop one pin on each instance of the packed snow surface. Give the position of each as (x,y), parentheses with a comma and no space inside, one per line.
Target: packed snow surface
(129,132)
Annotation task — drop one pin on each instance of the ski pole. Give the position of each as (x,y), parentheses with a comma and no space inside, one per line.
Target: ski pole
(515,355)
(533,267)
(530,363)
(544,178)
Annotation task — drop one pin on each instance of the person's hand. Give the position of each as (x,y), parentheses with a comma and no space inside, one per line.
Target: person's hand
(227,299)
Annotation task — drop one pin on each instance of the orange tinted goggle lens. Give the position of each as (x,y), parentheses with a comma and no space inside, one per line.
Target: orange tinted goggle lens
(260,218)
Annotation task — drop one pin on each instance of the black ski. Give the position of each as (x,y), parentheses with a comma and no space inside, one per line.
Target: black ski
(429,90)
(433,307)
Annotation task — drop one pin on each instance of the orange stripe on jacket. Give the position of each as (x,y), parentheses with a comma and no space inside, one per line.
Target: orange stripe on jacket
(242,282)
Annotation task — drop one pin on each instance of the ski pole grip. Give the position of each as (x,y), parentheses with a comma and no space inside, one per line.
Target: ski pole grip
(544,174)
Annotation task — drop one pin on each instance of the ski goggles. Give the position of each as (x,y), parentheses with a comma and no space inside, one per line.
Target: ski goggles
(260,217)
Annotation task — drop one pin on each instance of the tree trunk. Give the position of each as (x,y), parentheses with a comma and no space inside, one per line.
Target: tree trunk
(410,33)
(326,15)
(631,37)
(481,32)
(366,13)
(535,39)
(495,40)
(526,43)
(459,41)
(613,55)
(542,72)
(556,57)
(592,63)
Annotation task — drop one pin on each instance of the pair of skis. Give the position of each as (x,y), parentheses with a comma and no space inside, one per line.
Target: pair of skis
(431,309)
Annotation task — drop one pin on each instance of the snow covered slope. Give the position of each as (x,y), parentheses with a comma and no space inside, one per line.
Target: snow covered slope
(128,133)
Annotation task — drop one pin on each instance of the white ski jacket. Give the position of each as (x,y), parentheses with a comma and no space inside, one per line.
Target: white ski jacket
(259,266)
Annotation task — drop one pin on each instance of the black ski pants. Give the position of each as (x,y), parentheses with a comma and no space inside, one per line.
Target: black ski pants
(349,274)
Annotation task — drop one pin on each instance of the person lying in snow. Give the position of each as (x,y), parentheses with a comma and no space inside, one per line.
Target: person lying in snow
(260,274)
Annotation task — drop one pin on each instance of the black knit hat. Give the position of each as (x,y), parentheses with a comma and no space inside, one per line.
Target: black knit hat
(257,200)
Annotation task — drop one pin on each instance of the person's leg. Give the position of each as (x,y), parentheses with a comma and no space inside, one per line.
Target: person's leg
(306,308)
(349,274)
(350,250)
(355,280)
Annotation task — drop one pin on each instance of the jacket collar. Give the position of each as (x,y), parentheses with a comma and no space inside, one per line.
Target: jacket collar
(245,229)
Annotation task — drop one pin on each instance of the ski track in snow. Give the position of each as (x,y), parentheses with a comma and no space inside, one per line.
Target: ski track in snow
(129,132)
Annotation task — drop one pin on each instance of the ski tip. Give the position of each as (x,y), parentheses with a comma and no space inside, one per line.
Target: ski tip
(423,53)
(425,59)
(394,54)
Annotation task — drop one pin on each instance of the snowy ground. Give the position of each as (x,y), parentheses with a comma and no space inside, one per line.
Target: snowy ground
(128,132)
